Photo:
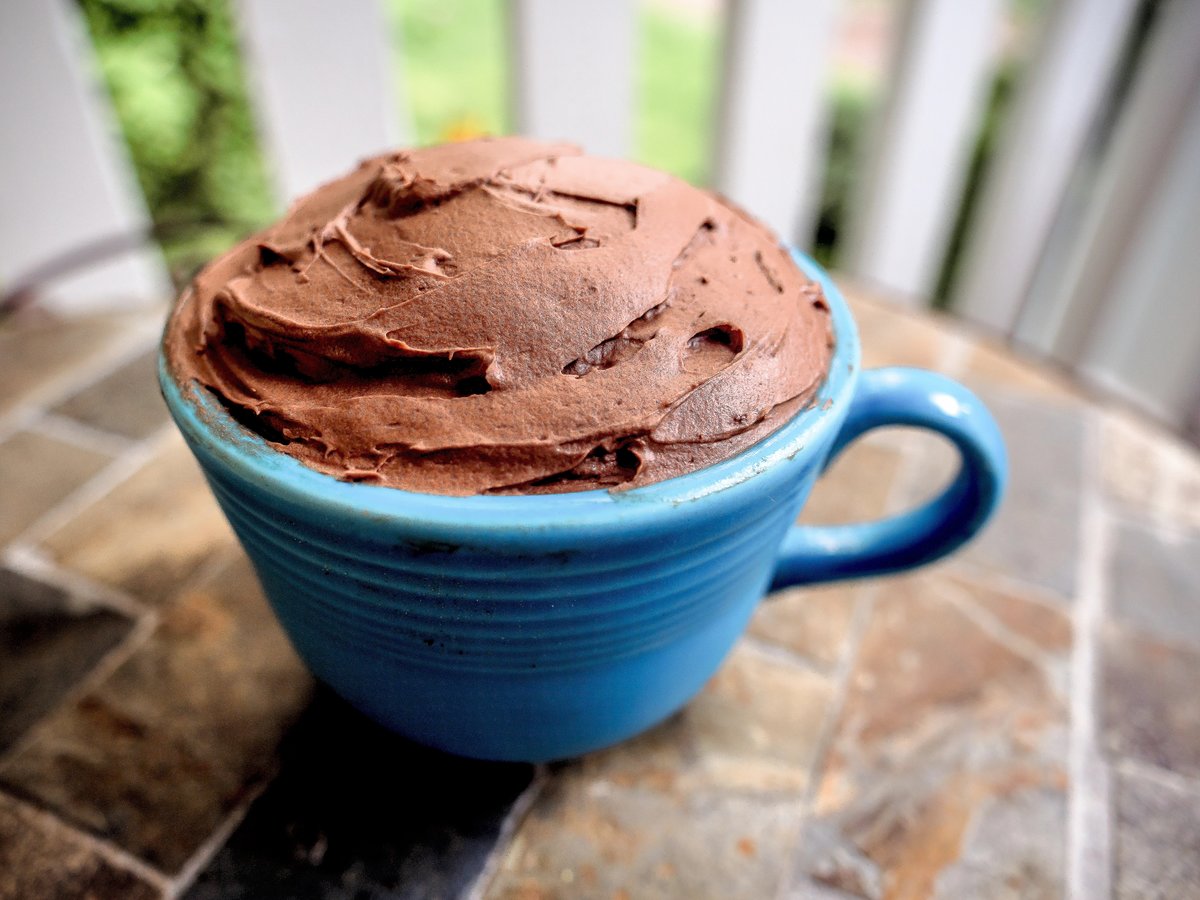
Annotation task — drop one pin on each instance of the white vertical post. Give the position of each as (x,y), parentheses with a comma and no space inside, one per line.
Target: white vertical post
(65,179)
(1071,70)
(916,163)
(772,125)
(1147,347)
(1069,298)
(573,67)
(323,86)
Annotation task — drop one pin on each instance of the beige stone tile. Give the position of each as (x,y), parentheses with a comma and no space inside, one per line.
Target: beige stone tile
(1148,471)
(1156,839)
(36,472)
(126,402)
(1150,709)
(953,729)
(39,858)
(1152,579)
(893,336)
(755,726)
(621,844)
(38,352)
(1133,466)
(158,754)
(856,488)
(990,365)
(922,658)
(705,805)
(1036,534)
(1027,619)
(812,622)
(49,641)
(150,533)
(1182,505)
(359,812)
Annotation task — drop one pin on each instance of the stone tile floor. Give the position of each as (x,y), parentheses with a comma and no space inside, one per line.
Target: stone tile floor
(1021,721)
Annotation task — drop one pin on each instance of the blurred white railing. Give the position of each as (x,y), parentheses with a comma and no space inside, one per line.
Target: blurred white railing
(770,142)
(65,179)
(322,76)
(1086,250)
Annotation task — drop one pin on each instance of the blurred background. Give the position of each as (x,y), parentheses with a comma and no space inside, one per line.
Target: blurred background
(1027,165)
(178,86)
(1007,191)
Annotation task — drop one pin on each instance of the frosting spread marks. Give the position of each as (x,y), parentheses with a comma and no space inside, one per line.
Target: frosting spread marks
(506,316)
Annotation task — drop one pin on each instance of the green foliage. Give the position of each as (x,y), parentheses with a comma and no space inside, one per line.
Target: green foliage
(981,155)
(453,71)
(677,66)
(851,109)
(452,66)
(172,68)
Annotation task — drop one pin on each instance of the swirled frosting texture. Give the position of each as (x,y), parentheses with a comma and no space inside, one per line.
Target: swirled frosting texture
(506,316)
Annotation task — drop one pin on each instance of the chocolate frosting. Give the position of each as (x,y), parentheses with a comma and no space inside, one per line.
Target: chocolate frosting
(506,316)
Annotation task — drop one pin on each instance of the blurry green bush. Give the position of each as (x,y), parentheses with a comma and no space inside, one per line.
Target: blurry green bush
(172,68)
(174,71)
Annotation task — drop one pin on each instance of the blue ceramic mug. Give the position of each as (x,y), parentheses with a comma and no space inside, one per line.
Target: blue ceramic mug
(540,627)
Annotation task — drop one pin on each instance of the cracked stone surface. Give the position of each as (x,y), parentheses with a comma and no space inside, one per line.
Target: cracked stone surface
(702,806)
(955,722)
(1151,706)
(907,738)
(126,402)
(356,811)
(41,859)
(49,640)
(1157,838)
(39,472)
(150,533)
(156,755)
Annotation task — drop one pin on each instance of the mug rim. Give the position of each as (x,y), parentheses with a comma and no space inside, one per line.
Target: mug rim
(209,428)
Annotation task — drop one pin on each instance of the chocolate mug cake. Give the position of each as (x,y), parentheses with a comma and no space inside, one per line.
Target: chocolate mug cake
(506,316)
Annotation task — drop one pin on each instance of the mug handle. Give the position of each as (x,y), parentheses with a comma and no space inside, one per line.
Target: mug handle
(901,396)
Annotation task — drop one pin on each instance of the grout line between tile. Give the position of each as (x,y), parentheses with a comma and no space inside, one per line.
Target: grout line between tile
(1154,521)
(139,337)
(212,845)
(971,571)
(508,828)
(1006,637)
(101,484)
(17,419)
(785,656)
(80,434)
(1089,817)
(116,856)
(109,663)
(32,562)
(864,608)
(1186,784)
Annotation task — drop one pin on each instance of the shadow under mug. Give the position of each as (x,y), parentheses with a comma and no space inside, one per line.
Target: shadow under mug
(540,627)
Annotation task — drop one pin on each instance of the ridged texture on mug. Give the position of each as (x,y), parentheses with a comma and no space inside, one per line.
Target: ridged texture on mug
(440,605)
(519,627)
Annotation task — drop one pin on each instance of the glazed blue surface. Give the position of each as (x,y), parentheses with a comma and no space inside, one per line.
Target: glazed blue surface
(540,627)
